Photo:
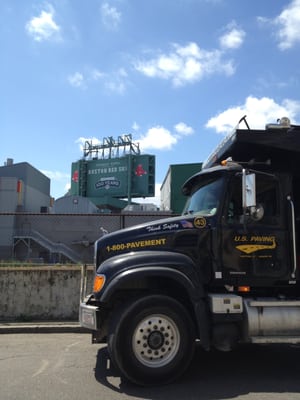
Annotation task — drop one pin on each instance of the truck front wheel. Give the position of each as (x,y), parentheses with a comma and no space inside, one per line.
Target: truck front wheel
(152,340)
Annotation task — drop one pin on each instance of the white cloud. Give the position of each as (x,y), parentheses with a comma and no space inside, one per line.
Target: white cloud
(67,187)
(259,111)
(185,64)
(111,17)
(60,182)
(135,126)
(96,74)
(183,129)
(44,27)
(158,138)
(76,80)
(85,143)
(116,86)
(116,82)
(56,175)
(233,38)
(287,24)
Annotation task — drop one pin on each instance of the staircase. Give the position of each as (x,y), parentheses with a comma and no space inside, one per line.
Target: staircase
(52,247)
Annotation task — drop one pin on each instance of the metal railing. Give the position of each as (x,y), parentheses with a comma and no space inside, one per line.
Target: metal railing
(52,247)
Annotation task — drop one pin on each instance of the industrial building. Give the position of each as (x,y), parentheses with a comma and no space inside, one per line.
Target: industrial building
(171,197)
(35,229)
(23,188)
(74,205)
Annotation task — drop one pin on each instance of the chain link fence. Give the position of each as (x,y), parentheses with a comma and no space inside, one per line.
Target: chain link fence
(60,238)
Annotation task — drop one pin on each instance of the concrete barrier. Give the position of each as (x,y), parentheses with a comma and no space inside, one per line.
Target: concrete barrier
(43,293)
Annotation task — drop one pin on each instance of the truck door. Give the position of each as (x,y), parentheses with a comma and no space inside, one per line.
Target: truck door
(255,249)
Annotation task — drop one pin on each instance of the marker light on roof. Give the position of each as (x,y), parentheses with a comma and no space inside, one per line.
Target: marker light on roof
(285,122)
(282,123)
(225,162)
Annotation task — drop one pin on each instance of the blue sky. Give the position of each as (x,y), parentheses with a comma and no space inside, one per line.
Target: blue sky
(177,75)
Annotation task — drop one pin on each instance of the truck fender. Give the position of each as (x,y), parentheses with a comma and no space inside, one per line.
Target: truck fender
(125,276)
(196,295)
(170,265)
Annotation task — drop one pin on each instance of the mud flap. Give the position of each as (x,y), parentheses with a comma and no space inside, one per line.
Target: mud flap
(202,323)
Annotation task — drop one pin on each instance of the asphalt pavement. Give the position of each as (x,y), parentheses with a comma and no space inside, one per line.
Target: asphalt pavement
(68,367)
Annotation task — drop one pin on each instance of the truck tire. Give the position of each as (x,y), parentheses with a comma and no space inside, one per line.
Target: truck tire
(151,341)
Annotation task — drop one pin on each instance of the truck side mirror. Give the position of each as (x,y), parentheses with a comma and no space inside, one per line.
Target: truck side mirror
(256,211)
(249,190)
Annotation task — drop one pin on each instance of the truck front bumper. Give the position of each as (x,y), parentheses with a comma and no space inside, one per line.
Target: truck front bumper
(88,316)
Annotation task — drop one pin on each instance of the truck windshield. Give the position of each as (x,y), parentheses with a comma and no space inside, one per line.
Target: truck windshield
(205,198)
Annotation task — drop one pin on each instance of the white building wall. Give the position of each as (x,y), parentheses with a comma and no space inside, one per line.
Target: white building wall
(165,193)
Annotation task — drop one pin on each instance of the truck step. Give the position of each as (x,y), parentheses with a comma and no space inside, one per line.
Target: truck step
(275,339)
(274,303)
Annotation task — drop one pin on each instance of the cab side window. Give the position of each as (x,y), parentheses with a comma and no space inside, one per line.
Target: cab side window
(266,196)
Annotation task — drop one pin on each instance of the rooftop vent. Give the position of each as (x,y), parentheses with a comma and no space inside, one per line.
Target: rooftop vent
(9,161)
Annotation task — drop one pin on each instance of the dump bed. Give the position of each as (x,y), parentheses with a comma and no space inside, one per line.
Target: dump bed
(278,145)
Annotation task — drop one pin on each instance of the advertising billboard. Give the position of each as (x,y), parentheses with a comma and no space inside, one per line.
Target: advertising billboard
(128,176)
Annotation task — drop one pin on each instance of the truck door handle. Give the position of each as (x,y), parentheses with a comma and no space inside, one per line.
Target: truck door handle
(294,236)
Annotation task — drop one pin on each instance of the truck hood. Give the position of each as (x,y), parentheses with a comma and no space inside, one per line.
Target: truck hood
(180,234)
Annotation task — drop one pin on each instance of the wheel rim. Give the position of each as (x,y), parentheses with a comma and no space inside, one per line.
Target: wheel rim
(156,340)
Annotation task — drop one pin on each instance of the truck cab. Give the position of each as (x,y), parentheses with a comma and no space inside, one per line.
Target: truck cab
(251,245)
(225,272)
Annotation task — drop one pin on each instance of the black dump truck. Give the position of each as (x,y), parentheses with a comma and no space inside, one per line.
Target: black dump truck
(223,273)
